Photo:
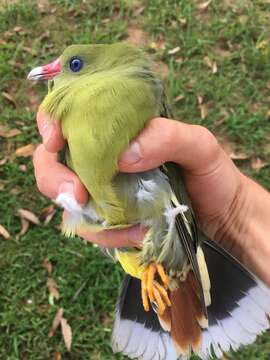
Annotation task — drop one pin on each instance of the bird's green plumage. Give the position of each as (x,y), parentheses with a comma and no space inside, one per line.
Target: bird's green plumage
(101,110)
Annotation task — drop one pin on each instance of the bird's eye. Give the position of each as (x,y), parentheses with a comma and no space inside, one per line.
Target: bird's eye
(75,64)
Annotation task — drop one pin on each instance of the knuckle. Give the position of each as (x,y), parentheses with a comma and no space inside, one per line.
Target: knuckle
(209,144)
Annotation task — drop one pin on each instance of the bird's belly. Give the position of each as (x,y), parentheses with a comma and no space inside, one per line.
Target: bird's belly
(131,262)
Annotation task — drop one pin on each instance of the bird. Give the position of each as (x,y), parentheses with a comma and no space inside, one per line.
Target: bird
(182,294)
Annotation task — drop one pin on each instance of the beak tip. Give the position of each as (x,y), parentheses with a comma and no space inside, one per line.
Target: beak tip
(35,74)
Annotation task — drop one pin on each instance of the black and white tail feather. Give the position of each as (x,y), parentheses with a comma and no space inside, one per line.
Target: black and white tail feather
(239,312)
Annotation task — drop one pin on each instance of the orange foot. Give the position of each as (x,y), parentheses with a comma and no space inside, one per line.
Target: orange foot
(152,290)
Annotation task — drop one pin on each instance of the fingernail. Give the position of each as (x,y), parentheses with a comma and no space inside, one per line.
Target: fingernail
(46,129)
(132,154)
(67,187)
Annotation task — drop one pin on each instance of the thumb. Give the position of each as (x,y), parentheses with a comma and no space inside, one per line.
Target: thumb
(191,146)
(50,131)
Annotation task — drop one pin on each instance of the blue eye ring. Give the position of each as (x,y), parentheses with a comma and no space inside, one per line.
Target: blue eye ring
(75,64)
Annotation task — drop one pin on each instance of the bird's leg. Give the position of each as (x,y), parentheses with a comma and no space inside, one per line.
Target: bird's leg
(153,290)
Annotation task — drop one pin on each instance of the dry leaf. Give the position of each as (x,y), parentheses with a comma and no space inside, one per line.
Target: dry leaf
(136,36)
(28,215)
(67,333)
(257,164)
(9,97)
(174,51)
(29,50)
(214,68)
(56,321)
(204,111)
(53,288)
(238,156)
(211,64)
(7,133)
(4,232)
(203,6)
(3,161)
(57,356)
(47,214)
(47,265)
(23,167)
(26,150)
(18,29)
(24,227)
(200,99)
(139,11)
(178,98)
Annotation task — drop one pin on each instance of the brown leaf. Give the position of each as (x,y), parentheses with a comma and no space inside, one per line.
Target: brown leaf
(211,64)
(47,214)
(18,29)
(3,42)
(139,11)
(53,288)
(178,98)
(29,50)
(200,99)
(26,150)
(174,50)
(56,321)
(204,111)
(9,97)
(7,133)
(239,156)
(136,36)
(4,232)
(24,227)
(67,333)
(29,215)
(203,6)
(257,164)
(47,265)
(214,68)
(57,356)
(3,161)
(23,167)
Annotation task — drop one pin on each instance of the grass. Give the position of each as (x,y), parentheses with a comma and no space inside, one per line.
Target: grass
(232,36)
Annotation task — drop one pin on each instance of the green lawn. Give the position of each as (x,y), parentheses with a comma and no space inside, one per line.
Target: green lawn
(219,77)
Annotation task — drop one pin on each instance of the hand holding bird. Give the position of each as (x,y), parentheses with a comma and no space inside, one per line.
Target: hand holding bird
(183,292)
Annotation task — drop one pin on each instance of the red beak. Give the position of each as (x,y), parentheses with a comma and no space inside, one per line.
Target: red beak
(46,72)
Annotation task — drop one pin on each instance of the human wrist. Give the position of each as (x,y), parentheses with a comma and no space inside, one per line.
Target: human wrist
(245,227)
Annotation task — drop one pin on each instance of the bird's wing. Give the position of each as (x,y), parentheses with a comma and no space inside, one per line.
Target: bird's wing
(186,224)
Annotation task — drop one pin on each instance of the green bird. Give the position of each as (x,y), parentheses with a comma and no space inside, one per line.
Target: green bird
(182,293)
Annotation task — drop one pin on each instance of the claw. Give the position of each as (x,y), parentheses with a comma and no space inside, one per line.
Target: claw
(152,290)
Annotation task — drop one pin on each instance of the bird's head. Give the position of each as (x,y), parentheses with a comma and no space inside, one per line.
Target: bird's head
(79,61)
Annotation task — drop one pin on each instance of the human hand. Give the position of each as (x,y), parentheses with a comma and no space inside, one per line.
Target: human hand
(231,208)
(213,182)
(54,178)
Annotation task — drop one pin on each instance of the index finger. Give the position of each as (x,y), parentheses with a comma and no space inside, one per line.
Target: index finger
(50,131)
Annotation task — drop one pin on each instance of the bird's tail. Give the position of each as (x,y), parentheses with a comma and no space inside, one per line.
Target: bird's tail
(239,311)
